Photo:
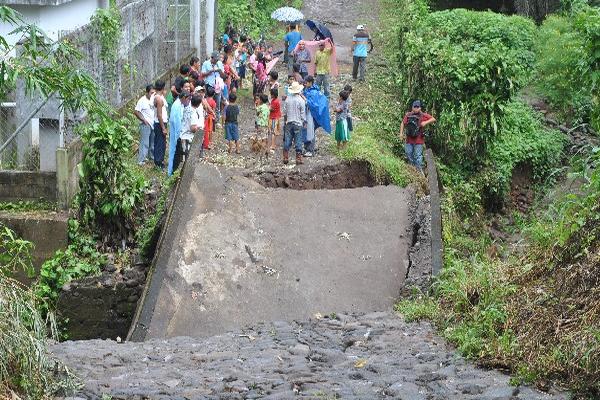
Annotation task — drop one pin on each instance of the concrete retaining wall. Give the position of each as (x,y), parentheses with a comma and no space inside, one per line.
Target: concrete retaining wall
(67,173)
(26,185)
(437,245)
(47,231)
(103,306)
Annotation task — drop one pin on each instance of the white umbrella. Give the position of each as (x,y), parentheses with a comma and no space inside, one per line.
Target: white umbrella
(287,14)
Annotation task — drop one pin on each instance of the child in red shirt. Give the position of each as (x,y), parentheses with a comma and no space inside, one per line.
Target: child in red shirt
(274,117)
(210,118)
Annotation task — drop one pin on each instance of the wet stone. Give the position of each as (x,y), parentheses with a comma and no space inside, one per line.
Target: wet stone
(399,362)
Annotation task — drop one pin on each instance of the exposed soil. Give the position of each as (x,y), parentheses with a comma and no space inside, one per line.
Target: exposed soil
(522,193)
(337,176)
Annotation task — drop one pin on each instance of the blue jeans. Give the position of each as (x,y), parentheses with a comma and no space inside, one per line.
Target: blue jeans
(292,132)
(146,147)
(322,80)
(414,154)
(218,98)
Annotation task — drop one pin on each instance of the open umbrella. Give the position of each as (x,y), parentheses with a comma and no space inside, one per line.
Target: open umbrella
(320,30)
(287,14)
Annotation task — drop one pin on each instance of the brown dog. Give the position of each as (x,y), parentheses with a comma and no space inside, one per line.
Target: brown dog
(259,147)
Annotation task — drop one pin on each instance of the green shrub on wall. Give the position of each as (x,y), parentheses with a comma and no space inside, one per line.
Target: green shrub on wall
(568,63)
(466,65)
(252,16)
(522,141)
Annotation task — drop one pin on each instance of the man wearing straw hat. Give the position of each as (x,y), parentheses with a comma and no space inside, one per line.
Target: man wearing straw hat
(294,112)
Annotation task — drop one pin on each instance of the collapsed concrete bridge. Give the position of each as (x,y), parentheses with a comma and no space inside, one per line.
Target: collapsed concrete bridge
(235,252)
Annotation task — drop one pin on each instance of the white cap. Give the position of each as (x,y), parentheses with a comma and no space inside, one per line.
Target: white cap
(360,28)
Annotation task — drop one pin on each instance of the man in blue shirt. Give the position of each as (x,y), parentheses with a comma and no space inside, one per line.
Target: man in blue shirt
(291,39)
(360,44)
(211,69)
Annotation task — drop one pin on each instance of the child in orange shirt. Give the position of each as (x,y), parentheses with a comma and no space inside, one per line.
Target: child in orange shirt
(210,118)
(274,116)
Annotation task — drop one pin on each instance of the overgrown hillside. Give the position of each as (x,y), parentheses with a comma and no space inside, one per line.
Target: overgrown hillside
(532,308)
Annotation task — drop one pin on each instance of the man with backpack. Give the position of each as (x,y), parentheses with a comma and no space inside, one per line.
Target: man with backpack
(412,129)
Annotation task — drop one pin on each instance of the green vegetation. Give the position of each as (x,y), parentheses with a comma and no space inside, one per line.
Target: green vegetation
(23,206)
(26,369)
(252,16)
(147,234)
(106,25)
(467,65)
(568,61)
(59,72)
(80,259)
(111,187)
(534,311)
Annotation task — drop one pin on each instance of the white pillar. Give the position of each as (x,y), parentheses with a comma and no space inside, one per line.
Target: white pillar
(195,31)
(210,26)
(35,132)
(103,3)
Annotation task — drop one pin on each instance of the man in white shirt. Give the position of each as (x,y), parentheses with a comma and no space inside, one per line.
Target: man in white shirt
(144,111)
(194,125)
(197,121)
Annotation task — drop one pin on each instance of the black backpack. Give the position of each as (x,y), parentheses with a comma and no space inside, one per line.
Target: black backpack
(413,126)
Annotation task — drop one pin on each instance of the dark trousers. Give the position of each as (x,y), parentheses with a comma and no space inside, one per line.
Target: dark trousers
(359,67)
(179,153)
(160,142)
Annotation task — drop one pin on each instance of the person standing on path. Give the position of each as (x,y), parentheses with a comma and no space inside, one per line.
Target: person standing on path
(302,58)
(360,42)
(176,128)
(342,135)
(413,125)
(210,117)
(274,116)
(261,75)
(160,124)
(232,134)
(291,39)
(197,120)
(144,111)
(294,111)
(177,87)
(323,65)
(211,69)
(262,121)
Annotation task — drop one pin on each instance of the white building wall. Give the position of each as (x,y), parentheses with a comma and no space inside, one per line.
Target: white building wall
(53,19)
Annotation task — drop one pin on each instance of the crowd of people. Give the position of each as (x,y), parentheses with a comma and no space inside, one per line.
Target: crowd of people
(203,99)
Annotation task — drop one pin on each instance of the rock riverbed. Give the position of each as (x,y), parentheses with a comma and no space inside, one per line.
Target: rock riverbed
(369,356)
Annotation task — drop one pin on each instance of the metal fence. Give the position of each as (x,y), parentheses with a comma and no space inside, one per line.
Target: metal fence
(156,36)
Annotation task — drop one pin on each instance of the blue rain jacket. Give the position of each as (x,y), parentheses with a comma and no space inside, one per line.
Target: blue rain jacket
(175,122)
(319,107)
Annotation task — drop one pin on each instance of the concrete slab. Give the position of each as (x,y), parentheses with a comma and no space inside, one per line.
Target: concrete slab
(246,254)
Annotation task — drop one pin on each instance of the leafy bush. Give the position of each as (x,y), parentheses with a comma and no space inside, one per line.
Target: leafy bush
(80,259)
(110,187)
(147,234)
(253,16)
(568,63)
(43,65)
(466,65)
(15,253)
(25,366)
(522,141)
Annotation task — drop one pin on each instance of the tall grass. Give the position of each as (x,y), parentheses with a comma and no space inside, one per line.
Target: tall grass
(26,368)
